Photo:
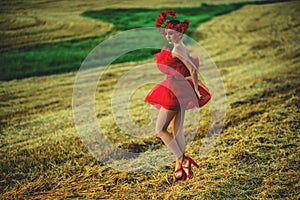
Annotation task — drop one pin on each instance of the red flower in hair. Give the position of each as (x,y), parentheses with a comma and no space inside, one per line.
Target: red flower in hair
(164,13)
(163,21)
(172,13)
(184,26)
(187,22)
(169,25)
(159,21)
(178,27)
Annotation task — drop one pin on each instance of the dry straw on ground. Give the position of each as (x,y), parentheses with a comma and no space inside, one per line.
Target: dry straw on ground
(257,156)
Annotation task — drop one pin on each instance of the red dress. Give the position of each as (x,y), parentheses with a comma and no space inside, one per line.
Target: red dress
(176,92)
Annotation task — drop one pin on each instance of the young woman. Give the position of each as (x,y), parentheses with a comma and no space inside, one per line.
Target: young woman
(180,91)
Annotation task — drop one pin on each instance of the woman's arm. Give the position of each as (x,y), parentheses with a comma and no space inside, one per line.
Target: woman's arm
(185,58)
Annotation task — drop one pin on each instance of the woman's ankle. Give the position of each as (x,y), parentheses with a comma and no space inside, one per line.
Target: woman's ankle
(179,160)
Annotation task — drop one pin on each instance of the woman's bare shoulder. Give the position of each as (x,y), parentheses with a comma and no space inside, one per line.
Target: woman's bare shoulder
(181,51)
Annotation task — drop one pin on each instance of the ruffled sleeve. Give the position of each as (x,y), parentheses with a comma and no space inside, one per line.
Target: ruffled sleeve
(172,66)
(163,61)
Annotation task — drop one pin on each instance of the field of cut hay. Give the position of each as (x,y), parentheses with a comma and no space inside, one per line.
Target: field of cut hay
(256,49)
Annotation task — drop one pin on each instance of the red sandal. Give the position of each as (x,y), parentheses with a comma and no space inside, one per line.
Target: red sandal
(181,177)
(183,174)
(189,173)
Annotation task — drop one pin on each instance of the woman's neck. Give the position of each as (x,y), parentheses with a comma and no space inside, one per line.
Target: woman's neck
(179,43)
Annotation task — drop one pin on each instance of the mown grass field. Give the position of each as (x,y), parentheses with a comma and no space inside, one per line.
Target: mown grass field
(256,49)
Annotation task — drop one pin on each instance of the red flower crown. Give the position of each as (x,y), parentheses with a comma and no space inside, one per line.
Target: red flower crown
(164,21)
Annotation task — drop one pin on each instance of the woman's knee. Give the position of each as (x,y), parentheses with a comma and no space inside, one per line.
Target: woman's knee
(160,133)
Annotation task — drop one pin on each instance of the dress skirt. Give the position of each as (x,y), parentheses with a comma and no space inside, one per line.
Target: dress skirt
(177,93)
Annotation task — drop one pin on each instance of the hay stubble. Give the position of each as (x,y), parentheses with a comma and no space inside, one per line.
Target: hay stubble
(257,155)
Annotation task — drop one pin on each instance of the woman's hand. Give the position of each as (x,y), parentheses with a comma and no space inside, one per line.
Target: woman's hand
(198,94)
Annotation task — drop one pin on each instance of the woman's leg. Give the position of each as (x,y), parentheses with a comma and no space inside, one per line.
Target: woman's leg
(163,120)
(177,128)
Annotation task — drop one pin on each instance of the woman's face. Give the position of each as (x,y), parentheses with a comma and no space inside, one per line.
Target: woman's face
(171,36)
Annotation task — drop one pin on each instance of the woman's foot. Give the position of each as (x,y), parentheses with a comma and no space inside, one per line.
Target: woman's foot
(187,166)
(179,173)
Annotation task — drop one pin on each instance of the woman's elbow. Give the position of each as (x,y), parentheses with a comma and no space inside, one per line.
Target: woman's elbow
(193,71)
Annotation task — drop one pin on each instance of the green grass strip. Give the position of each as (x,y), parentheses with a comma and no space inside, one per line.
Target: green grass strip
(45,59)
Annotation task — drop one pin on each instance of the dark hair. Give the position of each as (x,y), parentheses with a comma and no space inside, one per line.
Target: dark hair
(174,22)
